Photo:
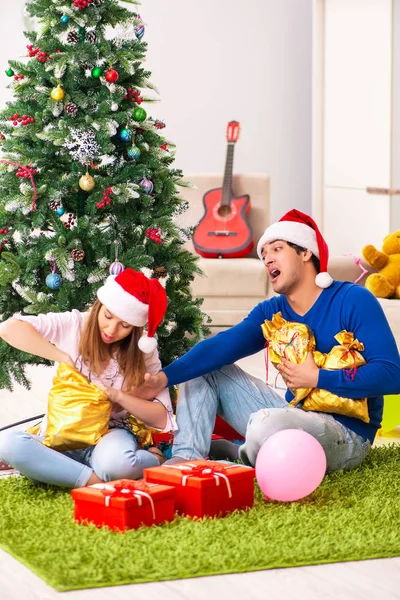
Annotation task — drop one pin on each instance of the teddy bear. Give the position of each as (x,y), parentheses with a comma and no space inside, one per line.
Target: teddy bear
(385,283)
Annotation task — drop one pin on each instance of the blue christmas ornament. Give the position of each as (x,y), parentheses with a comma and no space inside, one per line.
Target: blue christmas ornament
(147,185)
(60,211)
(53,281)
(125,135)
(133,153)
(64,19)
(139,31)
(116,268)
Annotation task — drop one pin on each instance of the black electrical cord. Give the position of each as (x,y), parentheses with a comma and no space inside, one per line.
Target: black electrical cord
(21,422)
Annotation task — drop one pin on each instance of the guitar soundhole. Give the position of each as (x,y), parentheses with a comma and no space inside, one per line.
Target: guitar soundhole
(224,211)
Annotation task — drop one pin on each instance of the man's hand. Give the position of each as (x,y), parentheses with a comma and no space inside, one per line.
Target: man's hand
(304,375)
(153,384)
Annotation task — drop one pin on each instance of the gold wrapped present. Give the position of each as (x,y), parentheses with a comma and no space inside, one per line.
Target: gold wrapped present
(78,411)
(143,434)
(345,356)
(289,340)
(293,341)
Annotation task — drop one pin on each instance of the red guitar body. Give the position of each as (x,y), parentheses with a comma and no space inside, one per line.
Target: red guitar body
(224,231)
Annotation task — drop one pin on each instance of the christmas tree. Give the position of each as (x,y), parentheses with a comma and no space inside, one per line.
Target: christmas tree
(86,183)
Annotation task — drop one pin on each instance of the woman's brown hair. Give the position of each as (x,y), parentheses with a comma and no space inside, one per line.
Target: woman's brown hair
(95,352)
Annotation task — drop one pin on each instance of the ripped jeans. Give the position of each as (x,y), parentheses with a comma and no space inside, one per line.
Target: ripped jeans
(255,411)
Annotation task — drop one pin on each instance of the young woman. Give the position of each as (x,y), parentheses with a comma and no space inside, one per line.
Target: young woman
(108,346)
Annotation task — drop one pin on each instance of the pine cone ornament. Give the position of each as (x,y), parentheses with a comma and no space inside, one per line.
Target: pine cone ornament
(91,37)
(72,37)
(97,2)
(54,204)
(77,255)
(160,272)
(70,108)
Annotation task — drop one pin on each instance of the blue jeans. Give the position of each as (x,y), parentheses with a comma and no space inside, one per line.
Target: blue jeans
(255,411)
(115,456)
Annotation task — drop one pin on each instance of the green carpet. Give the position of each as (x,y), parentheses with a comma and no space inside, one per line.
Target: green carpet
(351,516)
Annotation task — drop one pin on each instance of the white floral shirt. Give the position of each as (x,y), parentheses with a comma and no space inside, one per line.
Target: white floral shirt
(64,330)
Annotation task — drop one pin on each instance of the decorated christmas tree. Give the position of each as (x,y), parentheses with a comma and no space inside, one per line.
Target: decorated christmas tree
(86,182)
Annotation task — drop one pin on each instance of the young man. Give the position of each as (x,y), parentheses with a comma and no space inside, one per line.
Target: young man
(296,257)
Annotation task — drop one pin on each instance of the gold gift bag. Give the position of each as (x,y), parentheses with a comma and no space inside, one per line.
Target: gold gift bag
(292,341)
(78,411)
(345,356)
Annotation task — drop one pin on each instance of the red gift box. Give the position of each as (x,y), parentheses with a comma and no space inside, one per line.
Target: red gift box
(124,504)
(205,487)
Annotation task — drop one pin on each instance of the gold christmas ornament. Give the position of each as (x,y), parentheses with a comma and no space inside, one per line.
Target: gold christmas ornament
(86,182)
(57,94)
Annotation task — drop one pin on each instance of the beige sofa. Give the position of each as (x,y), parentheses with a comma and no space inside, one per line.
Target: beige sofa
(231,287)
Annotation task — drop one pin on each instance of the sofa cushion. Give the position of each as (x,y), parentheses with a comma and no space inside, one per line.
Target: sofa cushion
(227,277)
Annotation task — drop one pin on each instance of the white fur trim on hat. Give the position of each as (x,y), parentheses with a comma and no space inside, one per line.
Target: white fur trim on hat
(147,344)
(323,280)
(290,231)
(122,304)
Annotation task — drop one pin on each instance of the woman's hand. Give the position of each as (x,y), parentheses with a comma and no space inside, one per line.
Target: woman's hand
(112,393)
(304,375)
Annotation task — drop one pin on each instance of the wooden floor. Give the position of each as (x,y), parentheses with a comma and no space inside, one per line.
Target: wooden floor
(371,580)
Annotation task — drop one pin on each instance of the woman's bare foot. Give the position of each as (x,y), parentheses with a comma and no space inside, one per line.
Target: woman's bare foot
(157,452)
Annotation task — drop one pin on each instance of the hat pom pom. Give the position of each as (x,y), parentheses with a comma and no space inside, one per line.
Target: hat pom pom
(323,280)
(147,344)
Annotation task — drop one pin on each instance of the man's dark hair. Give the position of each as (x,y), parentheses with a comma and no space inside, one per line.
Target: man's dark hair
(314,259)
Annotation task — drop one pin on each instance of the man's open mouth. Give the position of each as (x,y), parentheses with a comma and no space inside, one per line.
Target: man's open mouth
(274,274)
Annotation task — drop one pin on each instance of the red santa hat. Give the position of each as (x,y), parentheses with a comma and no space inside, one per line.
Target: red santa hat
(136,299)
(298,228)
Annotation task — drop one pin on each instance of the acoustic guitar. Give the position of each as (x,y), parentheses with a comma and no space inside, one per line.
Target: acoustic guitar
(224,231)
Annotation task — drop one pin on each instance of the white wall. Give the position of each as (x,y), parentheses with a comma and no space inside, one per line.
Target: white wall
(218,60)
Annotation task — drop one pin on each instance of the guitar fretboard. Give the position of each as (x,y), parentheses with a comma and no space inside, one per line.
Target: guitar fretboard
(227,183)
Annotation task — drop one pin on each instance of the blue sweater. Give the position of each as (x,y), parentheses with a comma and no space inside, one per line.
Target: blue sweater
(341,306)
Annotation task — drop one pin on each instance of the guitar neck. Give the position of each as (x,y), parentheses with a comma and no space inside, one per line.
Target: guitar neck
(227,183)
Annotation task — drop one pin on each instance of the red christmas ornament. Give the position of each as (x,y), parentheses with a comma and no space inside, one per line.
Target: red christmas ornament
(111,76)
(25,120)
(154,235)
(18,77)
(106,198)
(164,146)
(41,56)
(25,172)
(133,96)
(82,4)
(159,125)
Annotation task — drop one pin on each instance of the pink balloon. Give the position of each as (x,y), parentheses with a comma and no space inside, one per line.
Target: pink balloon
(290,465)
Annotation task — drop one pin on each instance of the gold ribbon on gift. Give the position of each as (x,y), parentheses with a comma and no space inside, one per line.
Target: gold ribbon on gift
(345,356)
(289,340)
(78,411)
